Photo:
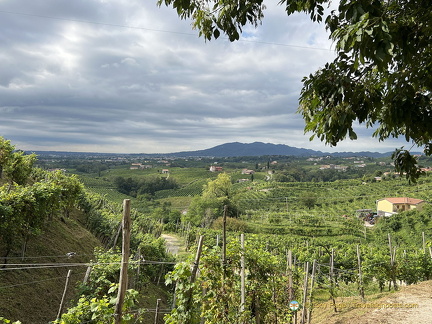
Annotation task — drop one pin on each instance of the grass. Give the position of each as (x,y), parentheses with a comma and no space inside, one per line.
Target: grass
(33,295)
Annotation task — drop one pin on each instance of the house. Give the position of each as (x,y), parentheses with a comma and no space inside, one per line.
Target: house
(214,168)
(139,166)
(390,206)
(247,171)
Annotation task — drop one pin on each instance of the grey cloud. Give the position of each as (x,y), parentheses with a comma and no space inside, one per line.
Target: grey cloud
(128,76)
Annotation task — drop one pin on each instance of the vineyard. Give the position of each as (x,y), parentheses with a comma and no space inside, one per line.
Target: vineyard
(252,246)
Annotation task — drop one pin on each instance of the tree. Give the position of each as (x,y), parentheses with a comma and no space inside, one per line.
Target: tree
(381,76)
(309,200)
(221,187)
(209,206)
(15,166)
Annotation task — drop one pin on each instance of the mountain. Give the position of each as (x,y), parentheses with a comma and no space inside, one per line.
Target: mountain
(260,149)
(249,149)
(224,150)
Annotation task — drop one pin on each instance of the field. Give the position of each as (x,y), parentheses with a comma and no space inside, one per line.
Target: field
(317,221)
(312,209)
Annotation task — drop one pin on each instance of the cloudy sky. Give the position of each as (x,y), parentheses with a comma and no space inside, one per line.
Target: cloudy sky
(127,76)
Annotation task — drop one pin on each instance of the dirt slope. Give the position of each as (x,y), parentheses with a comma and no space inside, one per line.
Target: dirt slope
(33,295)
(410,305)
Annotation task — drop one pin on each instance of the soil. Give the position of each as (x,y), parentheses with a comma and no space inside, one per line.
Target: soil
(173,243)
(409,305)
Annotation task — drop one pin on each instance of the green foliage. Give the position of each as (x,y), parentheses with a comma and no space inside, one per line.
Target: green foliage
(6,321)
(406,227)
(212,18)
(232,224)
(406,164)
(221,187)
(15,166)
(134,186)
(100,310)
(32,196)
(102,218)
(154,250)
(308,199)
(210,205)
(215,295)
(98,295)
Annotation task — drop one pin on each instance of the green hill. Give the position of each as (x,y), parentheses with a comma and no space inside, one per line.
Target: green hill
(31,288)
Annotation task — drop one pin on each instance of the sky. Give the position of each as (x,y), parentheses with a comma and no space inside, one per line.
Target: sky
(127,76)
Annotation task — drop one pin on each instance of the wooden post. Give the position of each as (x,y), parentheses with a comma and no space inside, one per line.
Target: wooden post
(64,294)
(390,249)
(224,240)
(87,275)
(392,262)
(124,263)
(311,290)
(117,234)
(332,281)
(305,288)
(424,242)
(242,275)
(156,318)
(290,276)
(197,259)
(361,288)
(138,273)
(194,273)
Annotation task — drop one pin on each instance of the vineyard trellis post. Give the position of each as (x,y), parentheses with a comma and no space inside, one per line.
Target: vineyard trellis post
(138,272)
(314,266)
(123,282)
(224,241)
(424,243)
(392,263)
(290,275)
(116,236)
(156,319)
(194,272)
(87,275)
(242,275)
(305,289)
(332,280)
(361,288)
(64,294)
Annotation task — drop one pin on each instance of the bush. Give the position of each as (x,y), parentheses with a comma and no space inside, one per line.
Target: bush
(232,224)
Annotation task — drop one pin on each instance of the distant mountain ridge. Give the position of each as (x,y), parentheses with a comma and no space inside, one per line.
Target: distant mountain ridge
(259,149)
(231,150)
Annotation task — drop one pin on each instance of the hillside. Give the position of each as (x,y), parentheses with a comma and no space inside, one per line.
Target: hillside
(32,293)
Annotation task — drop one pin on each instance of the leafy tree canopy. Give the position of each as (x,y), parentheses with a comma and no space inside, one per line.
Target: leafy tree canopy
(381,76)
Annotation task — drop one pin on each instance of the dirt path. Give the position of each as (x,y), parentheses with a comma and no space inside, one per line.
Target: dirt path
(411,305)
(173,243)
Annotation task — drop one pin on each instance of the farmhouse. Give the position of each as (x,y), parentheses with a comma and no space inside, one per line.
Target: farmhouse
(214,168)
(247,171)
(139,166)
(390,206)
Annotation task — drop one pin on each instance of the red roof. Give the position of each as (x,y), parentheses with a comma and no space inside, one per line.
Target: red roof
(404,200)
